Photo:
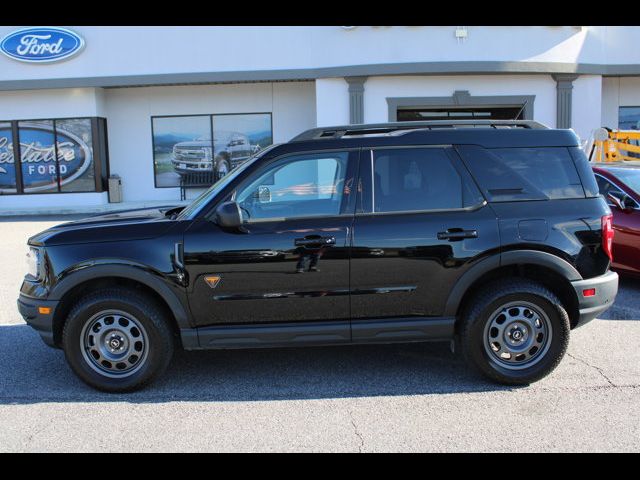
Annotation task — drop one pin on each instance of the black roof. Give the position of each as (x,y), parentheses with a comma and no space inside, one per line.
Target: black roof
(486,133)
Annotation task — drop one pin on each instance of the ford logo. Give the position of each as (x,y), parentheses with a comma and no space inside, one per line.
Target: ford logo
(41,44)
(39,158)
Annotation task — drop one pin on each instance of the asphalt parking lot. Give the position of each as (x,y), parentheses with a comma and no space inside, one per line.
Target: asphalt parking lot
(417,397)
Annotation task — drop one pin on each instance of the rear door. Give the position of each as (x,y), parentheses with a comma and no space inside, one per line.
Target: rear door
(420,224)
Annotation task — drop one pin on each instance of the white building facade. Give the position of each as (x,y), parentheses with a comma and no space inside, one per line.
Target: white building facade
(129,98)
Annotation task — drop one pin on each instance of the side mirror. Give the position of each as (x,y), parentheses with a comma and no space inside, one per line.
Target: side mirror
(228,215)
(264,194)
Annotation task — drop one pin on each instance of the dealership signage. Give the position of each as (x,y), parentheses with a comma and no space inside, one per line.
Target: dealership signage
(38,157)
(41,44)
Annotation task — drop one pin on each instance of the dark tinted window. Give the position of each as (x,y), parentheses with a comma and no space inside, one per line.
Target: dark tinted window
(584,170)
(508,174)
(419,179)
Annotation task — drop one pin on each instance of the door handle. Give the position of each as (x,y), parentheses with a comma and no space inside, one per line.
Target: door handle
(457,234)
(314,241)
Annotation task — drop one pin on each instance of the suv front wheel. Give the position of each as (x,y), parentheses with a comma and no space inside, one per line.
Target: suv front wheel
(117,340)
(514,331)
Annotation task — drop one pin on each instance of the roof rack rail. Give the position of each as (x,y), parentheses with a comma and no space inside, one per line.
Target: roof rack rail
(398,128)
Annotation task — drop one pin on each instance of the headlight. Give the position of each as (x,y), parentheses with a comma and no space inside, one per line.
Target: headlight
(208,154)
(34,262)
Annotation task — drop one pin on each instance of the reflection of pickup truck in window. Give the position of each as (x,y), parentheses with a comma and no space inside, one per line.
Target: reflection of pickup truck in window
(229,149)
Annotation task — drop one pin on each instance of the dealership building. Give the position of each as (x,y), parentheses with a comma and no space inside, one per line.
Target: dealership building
(79,105)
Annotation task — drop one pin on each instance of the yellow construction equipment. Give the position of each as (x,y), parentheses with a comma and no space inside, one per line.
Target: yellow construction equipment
(614,145)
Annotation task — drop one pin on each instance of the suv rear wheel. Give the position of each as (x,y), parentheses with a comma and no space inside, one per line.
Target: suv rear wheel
(515,331)
(117,340)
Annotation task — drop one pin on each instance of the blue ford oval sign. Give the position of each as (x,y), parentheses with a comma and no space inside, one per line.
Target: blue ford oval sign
(41,44)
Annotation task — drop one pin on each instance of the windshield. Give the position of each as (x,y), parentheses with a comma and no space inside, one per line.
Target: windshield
(630,176)
(203,199)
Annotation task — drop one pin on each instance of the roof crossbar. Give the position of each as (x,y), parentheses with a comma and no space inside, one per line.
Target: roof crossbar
(398,128)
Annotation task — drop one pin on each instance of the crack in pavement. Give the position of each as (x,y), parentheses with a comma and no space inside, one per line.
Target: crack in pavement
(598,369)
(357,432)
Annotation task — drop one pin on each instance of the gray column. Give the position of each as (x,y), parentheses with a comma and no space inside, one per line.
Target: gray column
(564,87)
(356,99)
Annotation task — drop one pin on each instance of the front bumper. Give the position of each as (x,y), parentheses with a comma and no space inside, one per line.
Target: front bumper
(606,289)
(192,166)
(41,323)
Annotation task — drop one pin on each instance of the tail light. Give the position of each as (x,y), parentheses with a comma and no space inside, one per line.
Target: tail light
(607,235)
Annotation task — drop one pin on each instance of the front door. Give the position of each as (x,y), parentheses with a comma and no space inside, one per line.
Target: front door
(290,262)
(420,223)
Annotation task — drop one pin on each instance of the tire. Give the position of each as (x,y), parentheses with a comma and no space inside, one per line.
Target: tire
(504,322)
(123,319)
(221,168)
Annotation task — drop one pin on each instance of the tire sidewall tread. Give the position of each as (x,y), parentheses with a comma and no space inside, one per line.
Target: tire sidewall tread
(147,312)
(485,302)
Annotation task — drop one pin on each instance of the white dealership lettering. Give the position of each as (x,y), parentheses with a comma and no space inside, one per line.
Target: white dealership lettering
(6,153)
(36,154)
(31,153)
(42,169)
(29,45)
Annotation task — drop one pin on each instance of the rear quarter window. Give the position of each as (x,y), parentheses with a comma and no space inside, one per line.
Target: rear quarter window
(509,174)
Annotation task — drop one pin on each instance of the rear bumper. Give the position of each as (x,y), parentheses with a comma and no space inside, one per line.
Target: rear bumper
(606,289)
(41,323)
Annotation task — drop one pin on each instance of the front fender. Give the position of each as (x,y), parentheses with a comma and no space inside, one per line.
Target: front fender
(170,290)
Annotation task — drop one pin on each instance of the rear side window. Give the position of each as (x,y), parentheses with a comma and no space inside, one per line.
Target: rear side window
(410,179)
(508,174)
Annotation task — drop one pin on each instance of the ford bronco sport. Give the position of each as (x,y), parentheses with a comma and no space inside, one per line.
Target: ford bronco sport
(489,234)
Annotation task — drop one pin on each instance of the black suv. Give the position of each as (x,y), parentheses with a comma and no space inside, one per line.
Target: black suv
(491,235)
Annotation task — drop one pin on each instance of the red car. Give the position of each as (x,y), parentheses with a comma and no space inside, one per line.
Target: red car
(619,183)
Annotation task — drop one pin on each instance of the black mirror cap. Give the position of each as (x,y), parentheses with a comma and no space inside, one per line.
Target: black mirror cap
(228,215)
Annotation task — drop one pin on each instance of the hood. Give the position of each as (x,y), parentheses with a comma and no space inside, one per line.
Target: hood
(117,226)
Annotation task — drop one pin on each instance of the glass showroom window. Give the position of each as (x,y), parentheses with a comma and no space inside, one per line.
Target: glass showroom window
(54,155)
(7,164)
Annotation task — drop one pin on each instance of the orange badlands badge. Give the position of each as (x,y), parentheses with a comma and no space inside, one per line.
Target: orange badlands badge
(212,280)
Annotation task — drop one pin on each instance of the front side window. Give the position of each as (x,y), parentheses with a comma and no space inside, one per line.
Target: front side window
(412,179)
(296,186)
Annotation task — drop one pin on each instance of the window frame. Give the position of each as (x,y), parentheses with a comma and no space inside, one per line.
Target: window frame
(346,208)
(367,161)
